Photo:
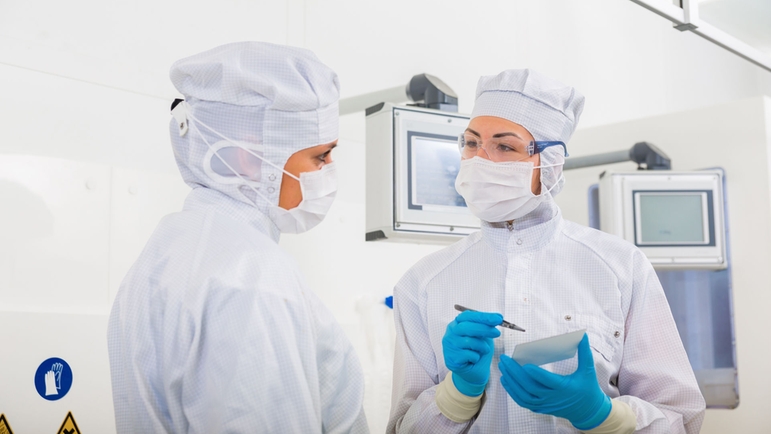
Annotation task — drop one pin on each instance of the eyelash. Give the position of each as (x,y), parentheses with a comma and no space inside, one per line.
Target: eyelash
(500,146)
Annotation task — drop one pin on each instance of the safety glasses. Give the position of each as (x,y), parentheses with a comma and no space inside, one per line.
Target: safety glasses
(505,148)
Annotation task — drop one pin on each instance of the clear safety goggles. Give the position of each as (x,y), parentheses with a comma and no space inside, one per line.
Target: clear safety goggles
(508,148)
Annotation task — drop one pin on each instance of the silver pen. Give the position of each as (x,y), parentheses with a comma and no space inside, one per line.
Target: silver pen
(505,323)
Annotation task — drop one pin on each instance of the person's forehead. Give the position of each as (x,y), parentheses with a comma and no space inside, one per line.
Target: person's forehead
(490,125)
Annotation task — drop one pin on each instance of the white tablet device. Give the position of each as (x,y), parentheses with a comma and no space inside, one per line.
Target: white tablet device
(548,350)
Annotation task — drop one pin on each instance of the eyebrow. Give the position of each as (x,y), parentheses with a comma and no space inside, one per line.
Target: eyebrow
(495,136)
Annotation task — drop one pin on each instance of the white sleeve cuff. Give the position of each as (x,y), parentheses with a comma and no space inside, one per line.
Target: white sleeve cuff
(454,405)
(621,420)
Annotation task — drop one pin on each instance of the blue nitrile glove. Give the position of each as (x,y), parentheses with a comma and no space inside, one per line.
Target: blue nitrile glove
(576,397)
(468,349)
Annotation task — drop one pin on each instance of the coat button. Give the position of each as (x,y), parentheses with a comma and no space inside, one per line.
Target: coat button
(272,177)
(519,242)
(617,334)
(568,317)
(271,189)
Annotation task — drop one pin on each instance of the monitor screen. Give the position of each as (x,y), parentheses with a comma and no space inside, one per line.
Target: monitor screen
(672,218)
(434,164)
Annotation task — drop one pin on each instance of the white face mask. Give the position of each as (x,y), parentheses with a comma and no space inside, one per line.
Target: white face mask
(498,192)
(318,188)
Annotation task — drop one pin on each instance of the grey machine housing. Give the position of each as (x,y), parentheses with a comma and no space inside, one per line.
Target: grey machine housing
(620,196)
(389,128)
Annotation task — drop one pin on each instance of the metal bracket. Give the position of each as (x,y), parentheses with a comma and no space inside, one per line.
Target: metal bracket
(685,27)
(423,89)
(641,153)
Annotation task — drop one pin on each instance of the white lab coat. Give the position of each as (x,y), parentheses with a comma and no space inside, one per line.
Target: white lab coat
(549,276)
(214,331)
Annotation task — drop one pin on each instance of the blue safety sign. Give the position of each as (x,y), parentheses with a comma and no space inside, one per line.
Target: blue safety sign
(53,379)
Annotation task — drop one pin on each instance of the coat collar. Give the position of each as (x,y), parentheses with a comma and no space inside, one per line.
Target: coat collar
(527,234)
(206,199)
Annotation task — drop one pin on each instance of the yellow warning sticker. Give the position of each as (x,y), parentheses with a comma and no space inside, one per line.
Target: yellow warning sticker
(4,427)
(69,426)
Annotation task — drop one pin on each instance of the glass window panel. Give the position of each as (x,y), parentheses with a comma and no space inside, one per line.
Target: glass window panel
(746,20)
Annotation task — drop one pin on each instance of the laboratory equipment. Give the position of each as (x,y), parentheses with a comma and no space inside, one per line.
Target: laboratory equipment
(424,90)
(699,295)
(412,162)
(675,218)
(646,155)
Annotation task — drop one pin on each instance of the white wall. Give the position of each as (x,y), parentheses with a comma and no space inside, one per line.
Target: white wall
(69,231)
(88,81)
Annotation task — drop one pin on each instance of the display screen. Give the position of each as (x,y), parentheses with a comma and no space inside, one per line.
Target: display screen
(672,218)
(434,165)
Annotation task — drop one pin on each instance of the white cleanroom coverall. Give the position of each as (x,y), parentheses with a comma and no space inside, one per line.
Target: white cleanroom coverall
(549,276)
(214,329)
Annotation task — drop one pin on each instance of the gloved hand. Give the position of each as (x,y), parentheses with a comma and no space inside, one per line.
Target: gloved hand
(576,397)
(468,349)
